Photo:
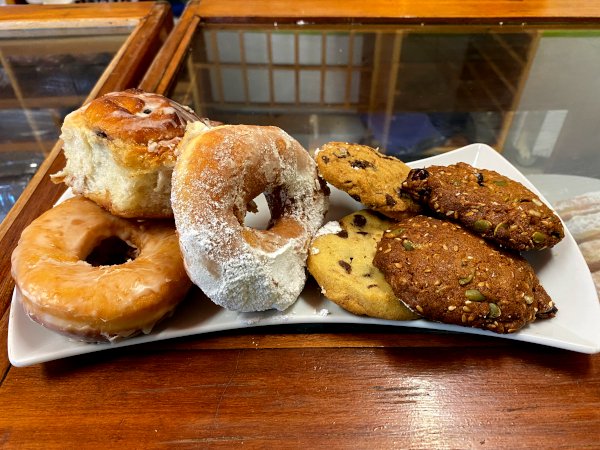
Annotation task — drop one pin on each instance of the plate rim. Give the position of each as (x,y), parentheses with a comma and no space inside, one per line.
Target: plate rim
(476,152)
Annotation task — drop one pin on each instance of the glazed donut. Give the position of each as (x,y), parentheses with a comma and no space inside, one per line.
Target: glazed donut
(120,151)
(61,290)
(217,175)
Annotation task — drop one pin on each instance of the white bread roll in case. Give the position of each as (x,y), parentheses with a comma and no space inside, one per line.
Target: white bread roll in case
(120,152)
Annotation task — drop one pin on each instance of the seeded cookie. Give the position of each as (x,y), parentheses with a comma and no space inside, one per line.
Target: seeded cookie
(340,260)
(447,274)
(370,177)
(490,204)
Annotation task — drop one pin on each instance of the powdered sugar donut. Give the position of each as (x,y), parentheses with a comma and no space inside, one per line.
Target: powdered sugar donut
(217,175)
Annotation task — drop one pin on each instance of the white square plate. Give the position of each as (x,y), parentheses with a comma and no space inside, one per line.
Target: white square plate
(562,271)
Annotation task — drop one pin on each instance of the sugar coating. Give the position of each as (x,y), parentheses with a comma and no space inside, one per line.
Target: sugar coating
(584,227)
(218,172)
(587,203)
(332,227)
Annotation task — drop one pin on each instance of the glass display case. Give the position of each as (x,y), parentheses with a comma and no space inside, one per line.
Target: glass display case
(51,61)
(413,89)
(40,82)
(412,92)
(415,79)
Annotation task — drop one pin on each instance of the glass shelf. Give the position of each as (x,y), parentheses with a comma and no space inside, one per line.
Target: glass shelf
(51,61)
(529,91)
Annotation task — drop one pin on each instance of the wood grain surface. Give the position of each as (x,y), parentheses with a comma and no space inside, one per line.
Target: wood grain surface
(430,11)
(401,390)
(18,17)
(298,386)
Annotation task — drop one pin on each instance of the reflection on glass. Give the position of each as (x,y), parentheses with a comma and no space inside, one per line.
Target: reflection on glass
(412,92)
(41,80)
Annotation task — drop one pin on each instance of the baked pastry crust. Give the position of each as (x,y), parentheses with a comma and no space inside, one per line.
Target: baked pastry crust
(218,174)
(370,177)
(96,301)
(121,150)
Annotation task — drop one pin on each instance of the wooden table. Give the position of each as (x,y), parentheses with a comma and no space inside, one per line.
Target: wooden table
(336,386)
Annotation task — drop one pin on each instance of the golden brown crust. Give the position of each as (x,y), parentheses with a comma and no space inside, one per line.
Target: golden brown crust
(150,124)
(64,292)
(447,274)
(120,151)
(370,177)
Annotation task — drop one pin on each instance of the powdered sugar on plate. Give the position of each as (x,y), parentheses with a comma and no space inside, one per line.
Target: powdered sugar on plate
(217,174)
(332,227)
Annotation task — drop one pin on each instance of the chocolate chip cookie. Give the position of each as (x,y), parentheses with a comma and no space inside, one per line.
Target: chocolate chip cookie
(370,177)
(447,274)
(491,205)
(341,261)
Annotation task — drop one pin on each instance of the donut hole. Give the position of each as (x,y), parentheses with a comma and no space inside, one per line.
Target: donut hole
(258,214)
(111,251)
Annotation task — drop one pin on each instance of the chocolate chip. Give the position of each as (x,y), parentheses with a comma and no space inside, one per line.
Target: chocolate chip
(343,234)
(360,164)
(324,186)
(389,200)
(479,176)
(101,134)
(359,220)
(325,159)
(147,111)
(356,197)
(347,267)
(418,174)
